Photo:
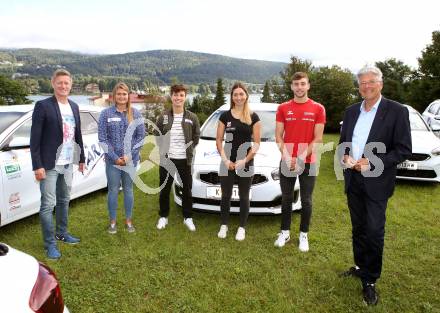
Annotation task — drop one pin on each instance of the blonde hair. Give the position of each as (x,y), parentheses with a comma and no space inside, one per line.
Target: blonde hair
(246,113)
(124,87)
(61,72)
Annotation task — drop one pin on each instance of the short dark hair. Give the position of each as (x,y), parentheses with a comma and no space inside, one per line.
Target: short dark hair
(299,75)
(178,88)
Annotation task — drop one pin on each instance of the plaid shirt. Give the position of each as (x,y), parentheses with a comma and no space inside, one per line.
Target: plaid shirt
(112,129)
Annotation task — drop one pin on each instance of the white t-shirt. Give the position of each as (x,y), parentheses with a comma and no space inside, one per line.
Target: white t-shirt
(177,139)
(67,149)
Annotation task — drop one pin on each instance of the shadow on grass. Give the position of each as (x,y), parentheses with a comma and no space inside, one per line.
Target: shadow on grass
(419,184)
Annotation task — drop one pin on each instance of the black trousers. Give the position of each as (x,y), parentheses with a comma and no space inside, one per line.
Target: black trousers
(244,186)
(184,178)
(287,184)
(368,229)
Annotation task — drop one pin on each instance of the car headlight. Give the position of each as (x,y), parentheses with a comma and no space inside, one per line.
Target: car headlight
(436,151)
(275,174)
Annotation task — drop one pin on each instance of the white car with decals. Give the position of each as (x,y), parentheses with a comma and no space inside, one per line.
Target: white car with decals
(19,191)
(265,195)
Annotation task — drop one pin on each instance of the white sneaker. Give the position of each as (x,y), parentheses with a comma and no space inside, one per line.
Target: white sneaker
(283,238)
(222,232)
(189,223)
(241,234)
(303,242)
(162,222)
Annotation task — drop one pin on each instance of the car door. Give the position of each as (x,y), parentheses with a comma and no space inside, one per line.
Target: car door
(93,177)
(21,192)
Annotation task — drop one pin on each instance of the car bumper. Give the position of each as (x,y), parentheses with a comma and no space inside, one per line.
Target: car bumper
(265,196)
(428,170)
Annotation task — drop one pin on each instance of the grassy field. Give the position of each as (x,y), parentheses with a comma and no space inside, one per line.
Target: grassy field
(174,270)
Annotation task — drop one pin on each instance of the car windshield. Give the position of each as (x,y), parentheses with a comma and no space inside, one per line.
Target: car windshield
(7,118)
(267,119)
(417,122)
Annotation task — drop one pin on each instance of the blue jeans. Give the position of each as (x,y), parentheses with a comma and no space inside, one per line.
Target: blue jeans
(55,193)
(114,178)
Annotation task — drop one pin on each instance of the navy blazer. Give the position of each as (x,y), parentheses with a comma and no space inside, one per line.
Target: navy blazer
(47,133)
(391,127)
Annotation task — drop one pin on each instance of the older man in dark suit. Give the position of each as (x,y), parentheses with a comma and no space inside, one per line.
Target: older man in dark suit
(56,143)
(375,137)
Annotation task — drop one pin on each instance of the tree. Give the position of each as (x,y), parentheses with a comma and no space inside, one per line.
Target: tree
(45,85)
(429,63)
(31,85)
(219,98)
(266,93)
(203,89)
(202,106)
(102,85)
(396,79)
(282,91)
(331,86)
(174,80)
(426,85)
(12,92)
(334,88)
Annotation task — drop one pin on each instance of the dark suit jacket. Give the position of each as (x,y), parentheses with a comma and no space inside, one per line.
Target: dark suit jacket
(392,128)
(47,133)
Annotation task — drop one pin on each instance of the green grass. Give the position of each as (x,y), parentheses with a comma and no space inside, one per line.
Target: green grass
(177,271)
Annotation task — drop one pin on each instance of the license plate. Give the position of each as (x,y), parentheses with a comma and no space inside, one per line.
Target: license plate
(216,193)
(407,165)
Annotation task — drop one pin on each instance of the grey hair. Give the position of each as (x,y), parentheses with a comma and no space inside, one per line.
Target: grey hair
(370,69)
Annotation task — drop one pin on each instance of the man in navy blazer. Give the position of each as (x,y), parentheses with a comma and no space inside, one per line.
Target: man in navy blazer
(56,144)
(375,137)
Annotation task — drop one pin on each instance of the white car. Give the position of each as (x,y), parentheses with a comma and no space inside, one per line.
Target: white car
(19,191)
(432,116)
(27,285)
(265,194)
(424,163)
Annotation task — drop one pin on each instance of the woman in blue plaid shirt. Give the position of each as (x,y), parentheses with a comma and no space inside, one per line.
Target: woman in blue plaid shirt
(121,131)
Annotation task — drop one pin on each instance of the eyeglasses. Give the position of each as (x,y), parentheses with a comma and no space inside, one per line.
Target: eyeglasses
(368,83)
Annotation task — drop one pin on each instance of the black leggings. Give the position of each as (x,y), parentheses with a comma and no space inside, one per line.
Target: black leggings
(244,186)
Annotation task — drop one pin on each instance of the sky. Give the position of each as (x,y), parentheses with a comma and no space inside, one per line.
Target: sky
(339,32)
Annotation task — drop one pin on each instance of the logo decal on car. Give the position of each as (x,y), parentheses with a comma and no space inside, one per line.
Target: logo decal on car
(14,201)
(211,154)
(13,170)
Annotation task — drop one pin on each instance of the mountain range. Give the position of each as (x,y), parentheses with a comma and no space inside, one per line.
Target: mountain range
(157,66)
